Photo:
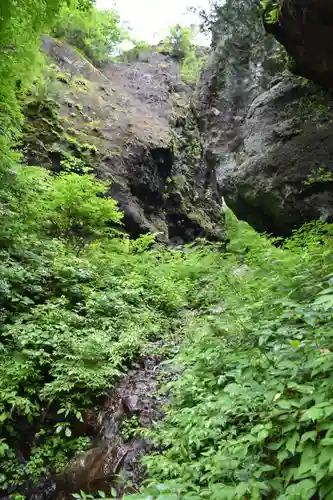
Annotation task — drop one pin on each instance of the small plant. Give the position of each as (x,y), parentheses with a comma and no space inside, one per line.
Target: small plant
(64,78)
(271,10)
(130,428)
(310,107)
(79,107)
(193,149)
(319,174)
(80,81)
(91,148)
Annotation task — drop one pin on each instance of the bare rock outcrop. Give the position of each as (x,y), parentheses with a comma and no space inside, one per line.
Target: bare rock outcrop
(267,133)
(131,124)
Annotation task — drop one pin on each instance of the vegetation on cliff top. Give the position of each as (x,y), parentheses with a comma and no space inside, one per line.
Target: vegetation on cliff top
(96,33)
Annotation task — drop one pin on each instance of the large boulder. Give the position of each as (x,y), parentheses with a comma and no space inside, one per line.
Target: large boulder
(131,124)
(283,174)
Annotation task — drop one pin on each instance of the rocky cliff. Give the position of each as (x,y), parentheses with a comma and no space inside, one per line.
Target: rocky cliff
(132,124)
(267,132)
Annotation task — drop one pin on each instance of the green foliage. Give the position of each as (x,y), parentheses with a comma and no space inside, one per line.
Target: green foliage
(130,428)
(271,10)
(46,88)
(21,24)
(312,107)
(251,414)
(179,44)
(96,33)
(191,67)
(140,52)
(319,174)
(77,299)
(70,207)
(71,321)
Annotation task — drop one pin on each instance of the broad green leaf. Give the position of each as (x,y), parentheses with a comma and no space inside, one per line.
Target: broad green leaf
(292,442)
(310,435)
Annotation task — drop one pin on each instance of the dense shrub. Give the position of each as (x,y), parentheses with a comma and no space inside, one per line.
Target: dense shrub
(96,33)
(251,415)
(72,322)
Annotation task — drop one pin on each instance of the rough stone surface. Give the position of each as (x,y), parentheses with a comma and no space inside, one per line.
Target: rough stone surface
(268,135)
(306,31)
(133,125)
(283,174)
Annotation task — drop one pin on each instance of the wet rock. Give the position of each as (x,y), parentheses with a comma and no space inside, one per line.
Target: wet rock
(132,404)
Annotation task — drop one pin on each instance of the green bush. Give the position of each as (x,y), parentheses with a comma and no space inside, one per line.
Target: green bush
(251,413)
(21,24)
(96,33)
(70,207)
(251,416)
(180,45)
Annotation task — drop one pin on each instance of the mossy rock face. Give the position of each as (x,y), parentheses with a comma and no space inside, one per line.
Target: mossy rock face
(121,122)
(48,141)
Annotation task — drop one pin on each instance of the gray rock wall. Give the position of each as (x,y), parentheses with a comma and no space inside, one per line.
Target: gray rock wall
(267,133)
(133,125)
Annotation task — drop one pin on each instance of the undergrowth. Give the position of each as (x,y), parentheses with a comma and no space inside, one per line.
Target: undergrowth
(78,301)
(251,415)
